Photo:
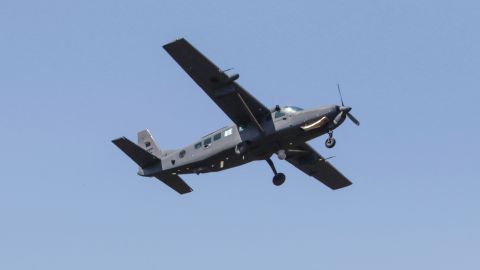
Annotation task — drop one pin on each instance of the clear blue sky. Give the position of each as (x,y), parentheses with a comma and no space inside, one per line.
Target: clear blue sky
(76,74)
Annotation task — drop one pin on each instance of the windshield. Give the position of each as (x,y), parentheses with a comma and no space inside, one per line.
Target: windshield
(292,109)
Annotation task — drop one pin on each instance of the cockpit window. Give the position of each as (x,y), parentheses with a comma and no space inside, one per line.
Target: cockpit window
(279,114)
(292,109)
(287,110)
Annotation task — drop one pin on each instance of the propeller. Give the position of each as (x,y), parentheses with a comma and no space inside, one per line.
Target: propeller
(344,111)
(353,119)
(340,94)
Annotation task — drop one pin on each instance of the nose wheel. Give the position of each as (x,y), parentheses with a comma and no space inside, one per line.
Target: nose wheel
(330,142)
(278,178)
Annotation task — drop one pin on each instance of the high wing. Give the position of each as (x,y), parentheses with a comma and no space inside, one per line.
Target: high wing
(235,101)
(305,158)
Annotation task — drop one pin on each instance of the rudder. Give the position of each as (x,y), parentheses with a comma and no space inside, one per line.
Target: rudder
(147,142)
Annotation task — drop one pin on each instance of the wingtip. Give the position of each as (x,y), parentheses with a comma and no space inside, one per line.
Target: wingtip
(114,141)
(342,186)
(186,192)
(181,39)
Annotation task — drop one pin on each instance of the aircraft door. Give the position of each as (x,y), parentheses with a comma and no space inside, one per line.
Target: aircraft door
(281,120)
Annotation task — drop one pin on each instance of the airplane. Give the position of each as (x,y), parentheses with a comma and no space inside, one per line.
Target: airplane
(257,132)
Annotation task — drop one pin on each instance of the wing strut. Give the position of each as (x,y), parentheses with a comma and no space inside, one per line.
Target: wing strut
(250,114)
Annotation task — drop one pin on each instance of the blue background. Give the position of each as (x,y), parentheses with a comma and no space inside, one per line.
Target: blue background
(76,74)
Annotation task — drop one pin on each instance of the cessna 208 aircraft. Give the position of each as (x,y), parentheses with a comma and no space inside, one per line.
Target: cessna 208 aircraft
(256,134)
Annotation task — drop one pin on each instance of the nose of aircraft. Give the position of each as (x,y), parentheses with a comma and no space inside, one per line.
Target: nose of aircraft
(345,109)
(343,112)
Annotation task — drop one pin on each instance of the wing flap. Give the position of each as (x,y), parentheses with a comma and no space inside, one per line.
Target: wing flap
(176,183)
(313,164)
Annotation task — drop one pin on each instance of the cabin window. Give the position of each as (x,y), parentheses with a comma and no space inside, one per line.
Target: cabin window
(217,136)
(198,145)
(182,154)
(147,144)
(207,142)
(227,132)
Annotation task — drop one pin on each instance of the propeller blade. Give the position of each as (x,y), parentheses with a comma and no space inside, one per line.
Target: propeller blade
(340,93)
(339,118)
(354,120)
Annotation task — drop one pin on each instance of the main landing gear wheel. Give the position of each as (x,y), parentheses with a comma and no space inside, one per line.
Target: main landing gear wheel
(279,179)
(330,142)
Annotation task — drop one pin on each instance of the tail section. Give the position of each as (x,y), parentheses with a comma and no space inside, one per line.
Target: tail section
(147,142)
(147,154)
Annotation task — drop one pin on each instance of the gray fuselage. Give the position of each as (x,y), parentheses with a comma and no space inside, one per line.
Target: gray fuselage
(236,145)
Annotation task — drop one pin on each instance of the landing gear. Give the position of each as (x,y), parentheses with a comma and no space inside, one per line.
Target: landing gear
(278,178)
(330,142)
(282,154)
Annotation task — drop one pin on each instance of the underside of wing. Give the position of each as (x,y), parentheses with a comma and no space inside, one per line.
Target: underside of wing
(235,101)
(306,159)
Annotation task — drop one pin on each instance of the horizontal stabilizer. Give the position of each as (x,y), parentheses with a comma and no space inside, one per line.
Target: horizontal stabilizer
(136,153)
(176,183)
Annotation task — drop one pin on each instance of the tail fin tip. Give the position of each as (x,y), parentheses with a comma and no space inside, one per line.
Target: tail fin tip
(147,142)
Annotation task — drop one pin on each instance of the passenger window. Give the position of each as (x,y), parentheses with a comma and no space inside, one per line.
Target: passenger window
(198,145)
(182,154)
(227,132)
(279,114)
(217,136)
(207,142)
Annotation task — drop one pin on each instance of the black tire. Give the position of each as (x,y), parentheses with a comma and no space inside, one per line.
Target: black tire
(330,142)
(279,179)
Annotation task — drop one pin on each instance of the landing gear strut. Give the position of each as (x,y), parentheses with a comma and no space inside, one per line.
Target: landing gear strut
(278,178)
(330,142)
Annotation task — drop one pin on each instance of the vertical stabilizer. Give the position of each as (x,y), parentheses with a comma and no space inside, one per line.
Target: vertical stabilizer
(147,142)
